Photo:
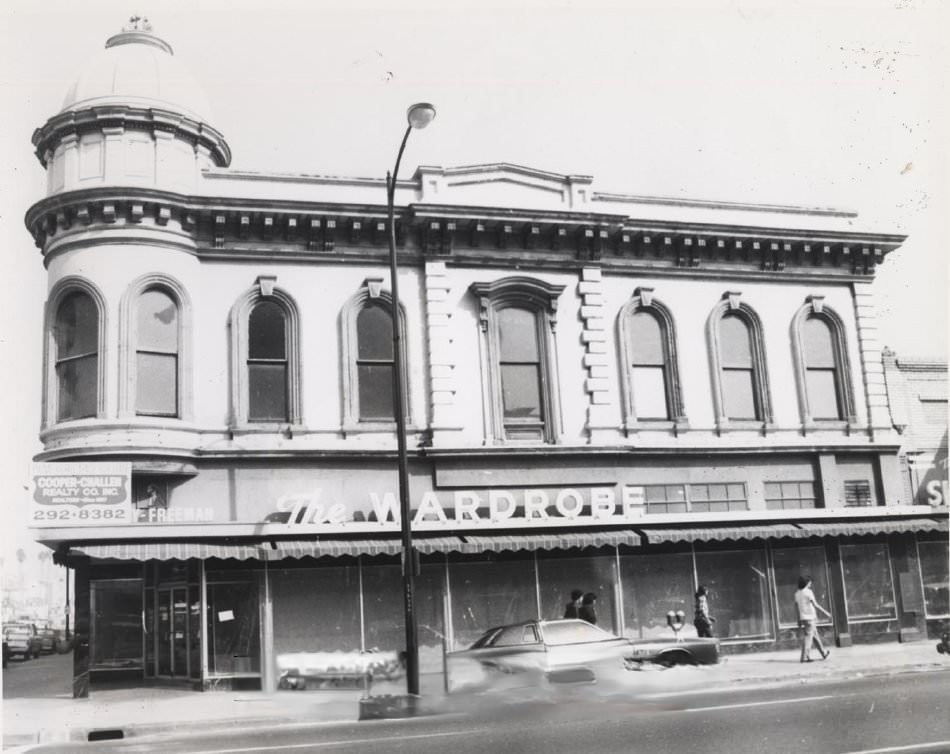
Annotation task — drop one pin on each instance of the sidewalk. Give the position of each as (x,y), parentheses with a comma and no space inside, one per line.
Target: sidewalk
(150,711)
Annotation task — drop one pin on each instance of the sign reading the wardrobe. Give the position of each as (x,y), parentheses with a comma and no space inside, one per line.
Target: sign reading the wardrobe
(482,508)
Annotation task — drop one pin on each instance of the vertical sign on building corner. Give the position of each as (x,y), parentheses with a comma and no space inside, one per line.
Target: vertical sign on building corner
(80,494)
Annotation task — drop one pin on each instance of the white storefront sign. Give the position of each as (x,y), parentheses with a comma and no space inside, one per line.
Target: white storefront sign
(80,494)
(473,509)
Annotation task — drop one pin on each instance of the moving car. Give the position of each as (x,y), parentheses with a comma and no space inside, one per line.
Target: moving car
(561,645)
(21,639)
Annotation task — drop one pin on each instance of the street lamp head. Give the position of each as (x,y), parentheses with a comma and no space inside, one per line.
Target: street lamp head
(420,115)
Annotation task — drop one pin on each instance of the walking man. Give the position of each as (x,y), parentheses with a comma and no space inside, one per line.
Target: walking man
(807,617)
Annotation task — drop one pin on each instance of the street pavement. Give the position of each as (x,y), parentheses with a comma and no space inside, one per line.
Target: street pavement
(51,715)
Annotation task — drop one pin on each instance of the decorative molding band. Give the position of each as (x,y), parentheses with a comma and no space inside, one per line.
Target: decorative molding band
(121,117)
(461,235)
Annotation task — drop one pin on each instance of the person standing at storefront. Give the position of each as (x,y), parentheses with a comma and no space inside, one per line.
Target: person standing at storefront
(586,610)
(573,607)
(701,618)
(807,618)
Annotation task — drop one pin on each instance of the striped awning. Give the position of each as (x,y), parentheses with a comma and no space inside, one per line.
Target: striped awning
(877,526)
(167,551)
(557,541)
(723,533)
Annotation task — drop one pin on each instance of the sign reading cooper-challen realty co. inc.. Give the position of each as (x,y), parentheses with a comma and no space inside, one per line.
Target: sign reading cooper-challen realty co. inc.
(81,494)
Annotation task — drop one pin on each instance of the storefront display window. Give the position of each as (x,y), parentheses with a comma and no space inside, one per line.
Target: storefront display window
(791,563)
(234,641)
(868,587)
(738,592)
(654,585)
(116,638)
(933,572)
(488,593)
(384,612)
(557,577)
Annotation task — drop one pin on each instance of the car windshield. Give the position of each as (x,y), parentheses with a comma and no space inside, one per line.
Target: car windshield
(574,632)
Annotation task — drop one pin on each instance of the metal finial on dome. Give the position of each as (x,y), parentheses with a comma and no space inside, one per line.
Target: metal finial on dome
(137,23)
(138,31)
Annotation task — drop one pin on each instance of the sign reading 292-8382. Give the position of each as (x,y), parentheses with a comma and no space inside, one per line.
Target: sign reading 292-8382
(81,494)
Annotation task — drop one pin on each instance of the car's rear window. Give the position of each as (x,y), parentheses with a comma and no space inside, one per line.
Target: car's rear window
(574,632)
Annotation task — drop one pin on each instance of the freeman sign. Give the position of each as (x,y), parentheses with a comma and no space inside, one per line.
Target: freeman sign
(84,494)
(472,509)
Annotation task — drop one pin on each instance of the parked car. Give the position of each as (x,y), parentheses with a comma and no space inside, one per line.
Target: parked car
(22,640)
(562,645)
(47,637)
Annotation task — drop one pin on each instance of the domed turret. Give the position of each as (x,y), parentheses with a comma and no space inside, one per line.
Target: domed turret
(133,116)
(138,68)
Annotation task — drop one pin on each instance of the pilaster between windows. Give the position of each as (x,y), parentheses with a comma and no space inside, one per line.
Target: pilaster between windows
(601,403)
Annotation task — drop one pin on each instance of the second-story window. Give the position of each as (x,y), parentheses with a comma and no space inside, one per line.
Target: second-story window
(738,369)
(737,358)
(648,368)
(517,318)
(820,370)
(822,366)
(156,356)
(76,338)
(267,365)
(374,364)
(519,364)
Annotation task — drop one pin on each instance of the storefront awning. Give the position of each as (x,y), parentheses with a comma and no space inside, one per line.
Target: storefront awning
(337,547)
(878,526)
(473,544)
(722,533)
(167,551)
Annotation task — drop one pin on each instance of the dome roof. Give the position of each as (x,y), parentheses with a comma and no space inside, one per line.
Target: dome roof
(137,69)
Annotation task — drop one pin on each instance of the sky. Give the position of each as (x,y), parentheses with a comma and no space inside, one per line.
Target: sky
(812,103)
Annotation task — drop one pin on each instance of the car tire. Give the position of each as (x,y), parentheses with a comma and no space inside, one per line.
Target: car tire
(672,659)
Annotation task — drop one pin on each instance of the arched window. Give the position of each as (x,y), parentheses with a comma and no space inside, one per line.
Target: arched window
(517,317)
(738,369)
(267,364)
(157,354)
(76,338)
(520,373)
(820,368)
(737,357)
(366,342)
(265,361)
(822,365)
(374,364)
(649,374)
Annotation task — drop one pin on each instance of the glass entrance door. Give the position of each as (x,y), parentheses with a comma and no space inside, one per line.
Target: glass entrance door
(172,632)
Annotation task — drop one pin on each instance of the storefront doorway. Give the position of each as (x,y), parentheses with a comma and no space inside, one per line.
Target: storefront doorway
(172,633)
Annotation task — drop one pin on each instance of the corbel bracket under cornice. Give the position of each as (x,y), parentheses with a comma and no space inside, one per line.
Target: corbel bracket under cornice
(468,235)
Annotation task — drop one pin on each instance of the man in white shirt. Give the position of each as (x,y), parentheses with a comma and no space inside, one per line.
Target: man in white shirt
(807,617)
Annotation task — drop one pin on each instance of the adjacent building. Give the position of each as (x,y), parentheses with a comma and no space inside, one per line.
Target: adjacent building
(622,394)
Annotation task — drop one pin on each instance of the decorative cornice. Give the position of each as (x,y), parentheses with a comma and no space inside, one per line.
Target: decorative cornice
(75,122)
(472,236)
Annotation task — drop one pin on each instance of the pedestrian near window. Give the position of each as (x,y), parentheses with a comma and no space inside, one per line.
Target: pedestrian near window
(586,610)
(573,607)
(807,619)
(701,618)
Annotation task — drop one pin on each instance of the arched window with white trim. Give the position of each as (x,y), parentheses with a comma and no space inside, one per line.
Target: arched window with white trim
(76,338)
(822,366)
(739,373)
(518,318)
(649,373)
(265,357)
(368,363)
(157,354)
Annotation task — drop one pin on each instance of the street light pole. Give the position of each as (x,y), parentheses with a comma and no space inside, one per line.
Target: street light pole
(418,116)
